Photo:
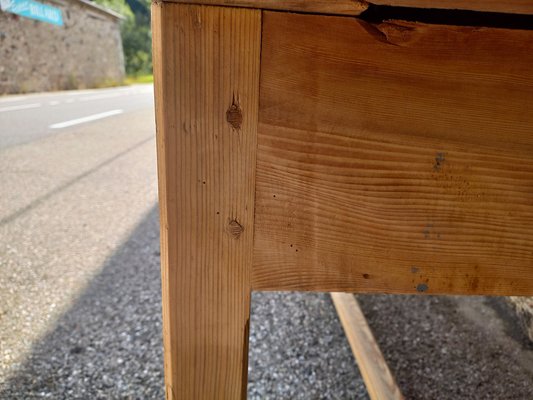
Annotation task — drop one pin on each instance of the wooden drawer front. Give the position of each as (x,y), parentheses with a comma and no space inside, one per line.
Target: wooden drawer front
(394,158)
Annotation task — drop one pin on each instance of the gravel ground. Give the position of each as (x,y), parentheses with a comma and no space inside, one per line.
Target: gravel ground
(452,347)
(298,350)
(109,344)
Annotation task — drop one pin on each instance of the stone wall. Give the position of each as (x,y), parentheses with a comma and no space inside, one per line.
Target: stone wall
(85,52)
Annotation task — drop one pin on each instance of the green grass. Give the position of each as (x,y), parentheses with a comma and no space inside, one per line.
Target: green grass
(130,80)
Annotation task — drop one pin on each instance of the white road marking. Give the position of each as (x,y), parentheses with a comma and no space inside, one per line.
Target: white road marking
(82,120)
(53,103)
(69,101)
(101,96)
(20,107)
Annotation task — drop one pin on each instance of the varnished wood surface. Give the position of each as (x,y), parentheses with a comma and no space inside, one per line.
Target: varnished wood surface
(206,64)
(356,7)
(379,381)
(347,7)
(394,158)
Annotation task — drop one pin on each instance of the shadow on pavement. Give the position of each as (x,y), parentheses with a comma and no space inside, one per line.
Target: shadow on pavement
(109,344)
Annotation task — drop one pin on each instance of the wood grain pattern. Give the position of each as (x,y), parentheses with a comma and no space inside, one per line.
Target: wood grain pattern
(356,7)
(394,158)
(347,7)
(207,80)
(379,381)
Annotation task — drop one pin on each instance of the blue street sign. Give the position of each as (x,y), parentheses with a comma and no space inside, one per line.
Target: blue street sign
(33,9)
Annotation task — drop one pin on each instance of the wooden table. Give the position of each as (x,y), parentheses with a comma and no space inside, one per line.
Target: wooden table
(335,145)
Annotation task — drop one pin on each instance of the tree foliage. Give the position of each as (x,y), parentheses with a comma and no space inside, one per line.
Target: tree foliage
(136,33)
(120,6)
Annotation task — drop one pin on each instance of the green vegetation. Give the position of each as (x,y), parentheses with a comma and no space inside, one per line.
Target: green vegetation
(120,6)
(136,34)
(130,80)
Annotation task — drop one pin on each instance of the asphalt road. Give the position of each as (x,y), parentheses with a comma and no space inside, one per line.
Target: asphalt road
(72,197)
(80,295)
(26,118)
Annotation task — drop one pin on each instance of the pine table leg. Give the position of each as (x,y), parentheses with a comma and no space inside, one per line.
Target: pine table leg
(206,66)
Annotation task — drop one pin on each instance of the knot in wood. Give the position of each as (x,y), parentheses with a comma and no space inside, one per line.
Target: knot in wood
(234,229)
(234,116)
(439,160)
